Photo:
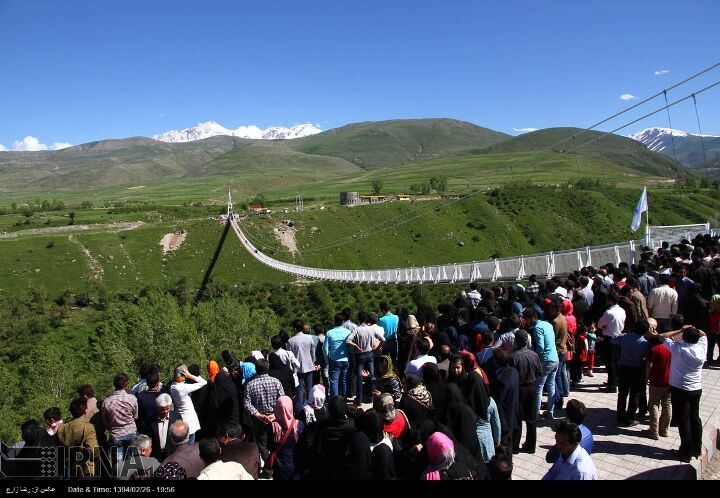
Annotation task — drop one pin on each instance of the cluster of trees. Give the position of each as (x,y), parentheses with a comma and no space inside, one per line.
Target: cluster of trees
(436,183)
(42,206)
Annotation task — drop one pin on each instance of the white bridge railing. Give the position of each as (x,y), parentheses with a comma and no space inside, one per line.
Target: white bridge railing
(544,265)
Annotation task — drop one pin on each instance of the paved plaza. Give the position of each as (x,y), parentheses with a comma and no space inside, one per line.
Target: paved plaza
(623,452)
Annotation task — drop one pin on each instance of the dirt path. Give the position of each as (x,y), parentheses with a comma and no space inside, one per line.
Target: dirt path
(116,227)
(94,264)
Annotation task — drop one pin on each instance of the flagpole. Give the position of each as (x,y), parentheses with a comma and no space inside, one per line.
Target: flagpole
(647,222)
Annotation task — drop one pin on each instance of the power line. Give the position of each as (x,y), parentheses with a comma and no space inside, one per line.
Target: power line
(399,219)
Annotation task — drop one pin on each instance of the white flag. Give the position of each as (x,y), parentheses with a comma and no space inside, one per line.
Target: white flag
(641,207)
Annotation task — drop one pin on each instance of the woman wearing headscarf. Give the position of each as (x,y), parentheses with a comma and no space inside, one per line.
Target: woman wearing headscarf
(248,371)
(437,388)
(282,373)
(462,420)
(395,422)
(314,409)
(223,395)
(382,461)
(180,391)
(387,380)
(331,443)
(285,432)
(417,401)
(477,396)
(441,460)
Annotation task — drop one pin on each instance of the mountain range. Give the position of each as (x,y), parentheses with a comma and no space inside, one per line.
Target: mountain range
(212,129)
(289,157)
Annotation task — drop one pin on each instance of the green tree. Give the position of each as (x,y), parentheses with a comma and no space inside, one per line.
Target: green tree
(71,215)
(377,186)
(438,184)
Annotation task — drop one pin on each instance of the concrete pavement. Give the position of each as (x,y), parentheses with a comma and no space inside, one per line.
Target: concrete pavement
(623,452)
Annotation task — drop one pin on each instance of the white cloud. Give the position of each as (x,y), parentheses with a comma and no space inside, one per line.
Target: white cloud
(525,130)
(627,96)
(2,148)
(32,144)
(661,71)
(28,143)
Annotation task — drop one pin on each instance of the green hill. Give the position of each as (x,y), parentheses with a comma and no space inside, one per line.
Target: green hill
(622,151)
(375,144)
(691,154)
(106,163)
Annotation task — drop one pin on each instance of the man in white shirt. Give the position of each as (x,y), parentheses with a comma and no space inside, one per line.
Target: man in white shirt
(216,469)
(612,324)
(662,303)
(685,382)
(422,348)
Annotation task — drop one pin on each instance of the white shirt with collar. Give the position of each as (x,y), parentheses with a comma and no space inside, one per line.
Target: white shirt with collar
(612,322)
(578,466)
(686,364)
(162,427)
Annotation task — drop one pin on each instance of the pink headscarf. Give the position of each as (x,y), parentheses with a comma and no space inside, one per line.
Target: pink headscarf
(441,455)
(284,419)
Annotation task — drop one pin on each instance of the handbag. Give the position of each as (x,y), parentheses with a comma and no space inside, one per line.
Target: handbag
(271,459)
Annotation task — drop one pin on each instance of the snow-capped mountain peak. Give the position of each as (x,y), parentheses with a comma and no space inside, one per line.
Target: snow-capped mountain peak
(659,139)
(212,129)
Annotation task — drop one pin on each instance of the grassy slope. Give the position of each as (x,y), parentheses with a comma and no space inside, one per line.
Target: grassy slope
(622,151)
(132,161)
(376,144)
(514,220)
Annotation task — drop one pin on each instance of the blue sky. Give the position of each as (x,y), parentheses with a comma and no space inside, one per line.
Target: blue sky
(75,71)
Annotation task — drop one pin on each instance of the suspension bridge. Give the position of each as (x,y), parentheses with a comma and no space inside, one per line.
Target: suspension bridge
(543,265)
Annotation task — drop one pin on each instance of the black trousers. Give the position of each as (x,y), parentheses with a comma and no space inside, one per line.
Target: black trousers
(630,381)
(686,410)
(610,353)
(527,412)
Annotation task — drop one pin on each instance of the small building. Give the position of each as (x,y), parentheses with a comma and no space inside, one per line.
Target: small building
(256,208)
(349,198)
(372,199)
(403,197)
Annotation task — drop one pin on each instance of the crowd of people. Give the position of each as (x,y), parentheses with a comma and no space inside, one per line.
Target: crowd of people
(439,394)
